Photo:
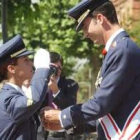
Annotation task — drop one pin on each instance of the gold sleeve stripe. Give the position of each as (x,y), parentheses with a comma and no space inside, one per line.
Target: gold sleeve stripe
(28,94)
(17,53)
(29,102)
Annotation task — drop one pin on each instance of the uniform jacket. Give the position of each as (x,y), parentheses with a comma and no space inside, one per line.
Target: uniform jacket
(17,112)
(117,100)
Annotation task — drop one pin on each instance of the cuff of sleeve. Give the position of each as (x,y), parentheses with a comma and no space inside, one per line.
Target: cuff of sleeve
(60,120)
(66,119)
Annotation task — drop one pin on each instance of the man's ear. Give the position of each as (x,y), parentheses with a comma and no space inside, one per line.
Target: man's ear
(11,69)
(100,18)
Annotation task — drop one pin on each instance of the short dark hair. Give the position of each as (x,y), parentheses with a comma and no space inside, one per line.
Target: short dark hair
(108,10)
(3,67)
(55,57)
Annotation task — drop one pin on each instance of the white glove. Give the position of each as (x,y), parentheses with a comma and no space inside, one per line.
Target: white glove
(42,59)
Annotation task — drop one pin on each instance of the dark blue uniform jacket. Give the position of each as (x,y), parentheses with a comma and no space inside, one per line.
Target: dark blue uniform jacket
(68,93)
(17,112)
(118,93)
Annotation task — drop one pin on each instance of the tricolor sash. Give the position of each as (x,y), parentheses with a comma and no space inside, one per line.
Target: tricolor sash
(130,129)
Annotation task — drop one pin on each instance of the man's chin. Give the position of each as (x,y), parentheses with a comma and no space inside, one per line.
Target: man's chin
(97,43)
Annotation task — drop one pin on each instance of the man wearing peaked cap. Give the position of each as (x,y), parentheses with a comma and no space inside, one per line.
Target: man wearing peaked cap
(115,108)
(18,118)
(83,9)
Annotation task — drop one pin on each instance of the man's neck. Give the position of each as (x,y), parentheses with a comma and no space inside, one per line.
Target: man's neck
(110,32)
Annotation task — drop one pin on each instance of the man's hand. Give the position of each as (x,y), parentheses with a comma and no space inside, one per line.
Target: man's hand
(51,126)
(50,118)
(50,114)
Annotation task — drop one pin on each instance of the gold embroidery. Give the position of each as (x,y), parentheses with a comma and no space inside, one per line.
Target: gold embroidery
(81,18)
(29,102)
(98,80)
(28,94)
(17,53)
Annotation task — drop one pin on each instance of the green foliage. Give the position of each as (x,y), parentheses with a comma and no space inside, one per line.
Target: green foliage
(135,33)
(82,76)
(47,25)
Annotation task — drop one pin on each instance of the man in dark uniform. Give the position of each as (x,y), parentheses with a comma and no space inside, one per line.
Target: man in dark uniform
(116,103)
(18,120)
(62,93)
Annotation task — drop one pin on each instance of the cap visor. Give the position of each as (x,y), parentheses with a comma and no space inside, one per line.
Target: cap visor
(25,53)
(76,11)
(79,27)
(80,24)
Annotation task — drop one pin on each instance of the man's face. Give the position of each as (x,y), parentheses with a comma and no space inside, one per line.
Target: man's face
(24,68)
(92,29)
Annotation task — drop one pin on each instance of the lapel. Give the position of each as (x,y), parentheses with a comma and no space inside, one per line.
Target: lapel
(116,40)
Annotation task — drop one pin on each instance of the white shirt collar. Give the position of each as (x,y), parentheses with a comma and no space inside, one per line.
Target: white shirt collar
(16,87)
(110,40)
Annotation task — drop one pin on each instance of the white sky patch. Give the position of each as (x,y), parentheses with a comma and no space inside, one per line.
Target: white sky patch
(35,1)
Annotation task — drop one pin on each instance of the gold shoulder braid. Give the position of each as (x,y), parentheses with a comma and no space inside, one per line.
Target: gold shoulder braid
(98,79)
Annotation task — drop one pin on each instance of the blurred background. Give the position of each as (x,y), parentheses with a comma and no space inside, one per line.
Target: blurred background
(45,23)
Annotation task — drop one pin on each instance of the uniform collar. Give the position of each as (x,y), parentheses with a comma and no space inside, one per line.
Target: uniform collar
(16,87)
(110,41)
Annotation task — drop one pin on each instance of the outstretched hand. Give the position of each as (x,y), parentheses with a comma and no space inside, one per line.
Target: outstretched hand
(50,119)
(51,126)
